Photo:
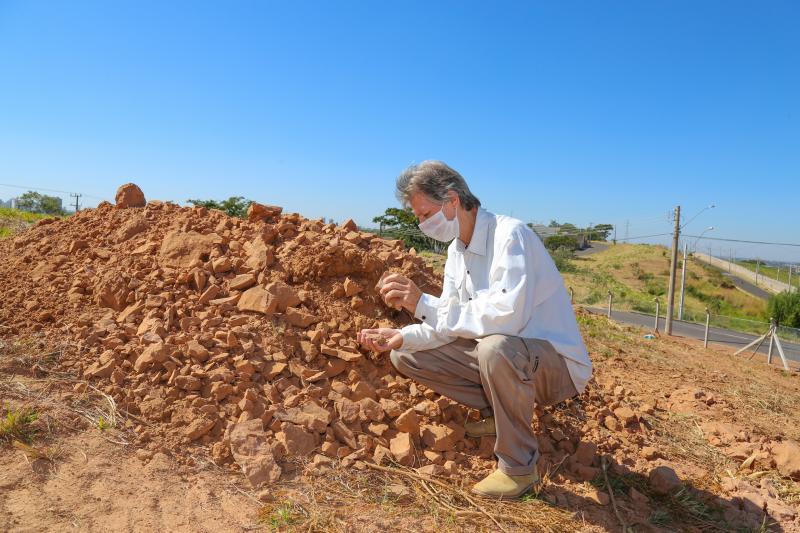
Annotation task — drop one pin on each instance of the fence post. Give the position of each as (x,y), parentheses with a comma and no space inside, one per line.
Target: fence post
(771,339)
(658,305)
(705,336)
(610,299)
(571,295)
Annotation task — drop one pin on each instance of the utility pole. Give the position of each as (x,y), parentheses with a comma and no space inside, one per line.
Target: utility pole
(758,267)
(683,282)
(615,234)
(77,198)
(672,271)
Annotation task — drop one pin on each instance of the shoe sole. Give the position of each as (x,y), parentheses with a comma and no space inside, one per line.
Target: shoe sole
(478,435)
(506,497)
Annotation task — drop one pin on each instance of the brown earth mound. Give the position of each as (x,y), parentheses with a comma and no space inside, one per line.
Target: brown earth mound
(230,333)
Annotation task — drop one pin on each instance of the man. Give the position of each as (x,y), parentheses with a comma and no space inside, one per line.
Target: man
(501,336)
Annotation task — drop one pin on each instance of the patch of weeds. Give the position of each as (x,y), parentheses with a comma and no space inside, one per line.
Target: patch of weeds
(690,505)
(284,515)
(102,424)
(660,517)
(655,287)
(17,424)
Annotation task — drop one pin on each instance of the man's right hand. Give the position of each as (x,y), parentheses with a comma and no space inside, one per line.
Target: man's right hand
(381,339)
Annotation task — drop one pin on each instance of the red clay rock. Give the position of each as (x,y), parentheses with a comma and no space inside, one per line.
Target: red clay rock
(408,422)
(251,452)
(129,195)
(664,480)
(296,440)
(258,300)
(402,449)
(181,249)
(786,455)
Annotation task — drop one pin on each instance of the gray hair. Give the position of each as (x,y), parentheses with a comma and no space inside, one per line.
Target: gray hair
(434,179)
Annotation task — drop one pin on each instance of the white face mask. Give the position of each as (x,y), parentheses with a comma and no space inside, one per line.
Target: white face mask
(439,228)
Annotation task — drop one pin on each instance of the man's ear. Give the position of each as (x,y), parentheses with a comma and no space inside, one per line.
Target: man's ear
(454,198)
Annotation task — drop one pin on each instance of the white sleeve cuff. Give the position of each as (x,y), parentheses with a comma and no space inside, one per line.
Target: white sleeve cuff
(418,337)
(426,309)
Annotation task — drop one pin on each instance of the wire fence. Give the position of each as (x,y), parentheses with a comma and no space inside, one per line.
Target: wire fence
(722,328)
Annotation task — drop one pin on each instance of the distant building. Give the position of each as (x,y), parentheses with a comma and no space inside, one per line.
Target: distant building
(13,203)
(548,231)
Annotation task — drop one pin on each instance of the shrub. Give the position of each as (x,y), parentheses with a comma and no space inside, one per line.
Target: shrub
(655,287)
(556,242)
(562,257)
(785,309)
(235,206)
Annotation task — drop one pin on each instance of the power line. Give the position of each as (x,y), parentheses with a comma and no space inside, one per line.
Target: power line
(746,241)
(27,187)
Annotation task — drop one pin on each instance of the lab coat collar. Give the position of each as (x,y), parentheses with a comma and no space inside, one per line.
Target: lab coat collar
(480,234)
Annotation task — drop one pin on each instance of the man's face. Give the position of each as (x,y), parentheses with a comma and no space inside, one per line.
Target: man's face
(424,208)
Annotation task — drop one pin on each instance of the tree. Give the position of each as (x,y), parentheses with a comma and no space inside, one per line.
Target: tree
(40,203)
(50,205)
(30,201)
(601,232)
(235,206)
(554,242)
(785,309)
(394,217)
(403,224)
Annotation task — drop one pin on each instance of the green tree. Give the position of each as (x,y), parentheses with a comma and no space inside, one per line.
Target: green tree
(40,203)
(554,242)
(403,224)
(50,205)
(235,206)
(785,308)
(30,201)
(601,232)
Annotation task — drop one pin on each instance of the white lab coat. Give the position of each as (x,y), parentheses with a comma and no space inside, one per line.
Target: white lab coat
(504,283)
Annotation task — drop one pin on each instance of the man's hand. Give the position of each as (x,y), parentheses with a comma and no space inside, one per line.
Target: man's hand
(399,291)
(380,339)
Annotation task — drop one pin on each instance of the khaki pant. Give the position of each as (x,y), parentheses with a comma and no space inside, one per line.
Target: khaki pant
(501,376)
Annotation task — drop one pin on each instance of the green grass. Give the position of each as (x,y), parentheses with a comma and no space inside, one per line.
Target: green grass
(637,274)
(24,216)
(771,272)
(14,220)
(17,424)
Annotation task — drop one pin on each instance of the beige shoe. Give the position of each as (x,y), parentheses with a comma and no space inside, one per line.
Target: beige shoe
(481,428)
(498,484)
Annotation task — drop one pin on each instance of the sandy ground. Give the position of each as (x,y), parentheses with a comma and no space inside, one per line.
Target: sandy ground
(96,485)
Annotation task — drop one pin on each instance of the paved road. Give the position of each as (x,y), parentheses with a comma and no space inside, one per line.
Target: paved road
(732,338)
(746,286)
(594,247)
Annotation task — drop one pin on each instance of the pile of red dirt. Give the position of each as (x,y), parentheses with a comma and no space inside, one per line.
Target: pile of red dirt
(237,334)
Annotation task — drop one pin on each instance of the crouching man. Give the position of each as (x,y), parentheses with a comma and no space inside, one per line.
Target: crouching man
(502,335)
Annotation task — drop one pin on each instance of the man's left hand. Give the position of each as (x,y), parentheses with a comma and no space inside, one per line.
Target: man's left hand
(400,292)
(380,339)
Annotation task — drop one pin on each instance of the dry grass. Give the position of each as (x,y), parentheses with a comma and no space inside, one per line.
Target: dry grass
(638,273)
(426,503)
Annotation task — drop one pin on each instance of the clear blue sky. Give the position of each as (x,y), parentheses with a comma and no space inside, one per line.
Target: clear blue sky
(575,111)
